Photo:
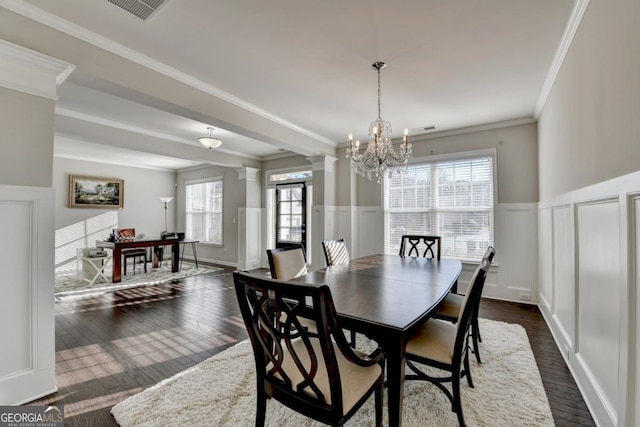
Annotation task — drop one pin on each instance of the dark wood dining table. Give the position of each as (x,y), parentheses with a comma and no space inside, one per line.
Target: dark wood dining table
(387,298)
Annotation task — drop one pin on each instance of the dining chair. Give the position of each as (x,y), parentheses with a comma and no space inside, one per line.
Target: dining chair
(288,262)
(445,346)
(420,246)
(451,307)
(335,252)
(129,234)
(318,375)
(134,253)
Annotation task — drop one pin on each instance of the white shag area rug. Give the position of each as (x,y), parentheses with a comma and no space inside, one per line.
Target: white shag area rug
(68,286)
(221,392)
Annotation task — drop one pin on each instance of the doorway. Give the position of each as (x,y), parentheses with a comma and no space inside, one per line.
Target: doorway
(291,214)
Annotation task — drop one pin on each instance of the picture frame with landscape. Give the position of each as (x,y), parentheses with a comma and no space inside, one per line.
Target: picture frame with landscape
(95,192)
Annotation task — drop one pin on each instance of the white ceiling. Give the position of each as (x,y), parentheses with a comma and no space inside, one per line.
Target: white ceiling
(307,66)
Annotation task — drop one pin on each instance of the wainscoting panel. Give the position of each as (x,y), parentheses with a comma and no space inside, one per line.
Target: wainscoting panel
(595,266)
(516,261)
(599,287)
(316,235)
(369,226)
(564,293)
(27,369)
(249,238)
(545,259)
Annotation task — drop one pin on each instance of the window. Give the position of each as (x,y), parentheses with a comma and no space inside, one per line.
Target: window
(204,211)
(452,198)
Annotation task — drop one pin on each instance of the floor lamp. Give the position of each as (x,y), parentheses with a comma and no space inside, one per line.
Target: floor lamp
(159,250)
(166,201)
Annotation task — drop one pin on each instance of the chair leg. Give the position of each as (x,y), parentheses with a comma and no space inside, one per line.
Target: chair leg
(379,409)
(261,409)
(457,401)
(353,339)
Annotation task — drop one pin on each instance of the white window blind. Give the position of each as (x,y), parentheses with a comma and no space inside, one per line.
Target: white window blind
(450,198)
(204,211)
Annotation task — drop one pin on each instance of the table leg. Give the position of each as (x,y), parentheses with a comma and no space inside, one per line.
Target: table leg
(175,257)
(396,360)
(116,274)
(195,255)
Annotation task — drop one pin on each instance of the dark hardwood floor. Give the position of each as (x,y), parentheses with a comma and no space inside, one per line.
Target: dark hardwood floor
(115,345)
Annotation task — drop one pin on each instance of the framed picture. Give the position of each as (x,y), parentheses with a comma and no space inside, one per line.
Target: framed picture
(95,192)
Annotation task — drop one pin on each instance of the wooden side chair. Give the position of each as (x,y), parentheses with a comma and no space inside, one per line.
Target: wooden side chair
(287,263)
(451,307)
(420,246)
(135,253)
(124,234)
(335,252)
(317,375)
(444,345)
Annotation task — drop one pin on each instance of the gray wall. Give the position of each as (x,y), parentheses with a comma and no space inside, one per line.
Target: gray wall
(234,196)
(26,139)
(143,188)
(517,162)
(589,129)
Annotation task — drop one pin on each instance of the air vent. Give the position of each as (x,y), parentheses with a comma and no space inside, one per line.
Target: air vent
(421,130)
(143,9)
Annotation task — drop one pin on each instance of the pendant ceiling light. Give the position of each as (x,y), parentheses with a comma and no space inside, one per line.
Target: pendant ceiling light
(380,155)
(210,141)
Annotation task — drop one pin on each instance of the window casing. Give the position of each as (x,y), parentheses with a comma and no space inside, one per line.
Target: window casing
(204,211)
(452,197)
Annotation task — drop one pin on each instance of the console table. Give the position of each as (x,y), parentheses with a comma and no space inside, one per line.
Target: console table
(117,248)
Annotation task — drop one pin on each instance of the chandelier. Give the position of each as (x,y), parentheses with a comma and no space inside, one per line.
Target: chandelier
(380,155)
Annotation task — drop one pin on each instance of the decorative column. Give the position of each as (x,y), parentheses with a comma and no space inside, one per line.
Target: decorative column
(323,214)
(28,82)
(250,220)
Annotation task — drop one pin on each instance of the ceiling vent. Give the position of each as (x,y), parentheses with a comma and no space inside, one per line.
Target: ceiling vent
(143,9)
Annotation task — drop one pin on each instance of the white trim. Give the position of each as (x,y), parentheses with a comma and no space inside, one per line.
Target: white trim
(203,180)
(247,173)
(567,38)
(31,72)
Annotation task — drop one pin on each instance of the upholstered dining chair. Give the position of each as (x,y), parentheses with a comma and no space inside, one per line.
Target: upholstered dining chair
(317,375)
(335,252)
(420,246)
(288,262)
(451,307)
(444,345)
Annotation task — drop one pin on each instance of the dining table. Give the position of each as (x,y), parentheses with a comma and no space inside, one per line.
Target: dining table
(387,298)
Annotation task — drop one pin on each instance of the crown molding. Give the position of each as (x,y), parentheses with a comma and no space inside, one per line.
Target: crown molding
(469,129)
(57,23)
(31,72)
(567,38)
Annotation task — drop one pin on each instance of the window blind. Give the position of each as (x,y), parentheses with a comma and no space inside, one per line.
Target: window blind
(204,211)
(450,198)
